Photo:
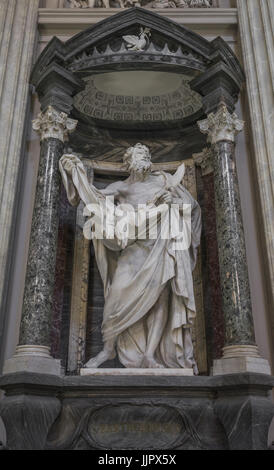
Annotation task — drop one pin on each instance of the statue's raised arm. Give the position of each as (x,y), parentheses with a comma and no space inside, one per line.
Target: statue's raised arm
(76,182)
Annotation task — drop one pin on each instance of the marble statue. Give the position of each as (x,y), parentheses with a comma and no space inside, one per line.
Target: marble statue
(148,285)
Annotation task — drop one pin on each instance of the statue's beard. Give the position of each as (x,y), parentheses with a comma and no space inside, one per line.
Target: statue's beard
(139,169)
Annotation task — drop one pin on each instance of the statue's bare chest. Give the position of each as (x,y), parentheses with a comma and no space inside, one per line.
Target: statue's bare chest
(141,192)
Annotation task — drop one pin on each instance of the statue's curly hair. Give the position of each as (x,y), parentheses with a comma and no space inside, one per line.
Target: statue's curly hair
(129,152)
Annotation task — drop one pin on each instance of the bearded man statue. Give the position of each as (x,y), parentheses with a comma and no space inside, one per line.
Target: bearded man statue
(149,298)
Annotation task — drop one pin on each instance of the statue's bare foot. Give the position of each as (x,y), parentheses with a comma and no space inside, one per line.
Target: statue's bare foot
(102,357)
(150,363)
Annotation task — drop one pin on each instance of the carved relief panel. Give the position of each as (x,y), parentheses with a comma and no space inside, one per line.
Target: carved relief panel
(142,3)
(129,3)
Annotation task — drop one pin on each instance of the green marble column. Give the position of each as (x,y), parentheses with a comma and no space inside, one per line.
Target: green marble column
(240,348)
(32,353)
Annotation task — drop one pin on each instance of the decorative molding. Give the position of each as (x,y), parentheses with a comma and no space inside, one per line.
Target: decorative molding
(32,350)
(102,167)
(240,350)
(141,52)
(204,160)
(66,22)
(221,126)
(54,124)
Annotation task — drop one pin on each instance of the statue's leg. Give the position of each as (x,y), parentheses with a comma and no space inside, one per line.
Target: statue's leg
(107,353)
(156,323)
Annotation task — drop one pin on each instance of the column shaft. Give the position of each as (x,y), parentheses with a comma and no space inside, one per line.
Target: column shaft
(239,328)
(33,351)
(240,353)
(37,305)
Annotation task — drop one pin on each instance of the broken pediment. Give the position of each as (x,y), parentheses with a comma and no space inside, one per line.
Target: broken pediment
(164,71)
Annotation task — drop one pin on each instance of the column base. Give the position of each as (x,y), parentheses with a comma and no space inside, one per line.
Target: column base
(241,358)
(32,358)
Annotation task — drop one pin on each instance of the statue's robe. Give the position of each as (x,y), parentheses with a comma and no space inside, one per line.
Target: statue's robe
(136,276)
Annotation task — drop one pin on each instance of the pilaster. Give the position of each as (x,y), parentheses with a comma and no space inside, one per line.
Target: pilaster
(256,32)
(18,28)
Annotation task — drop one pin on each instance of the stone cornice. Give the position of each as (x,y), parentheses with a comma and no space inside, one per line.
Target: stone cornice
(68,21)
(26,381)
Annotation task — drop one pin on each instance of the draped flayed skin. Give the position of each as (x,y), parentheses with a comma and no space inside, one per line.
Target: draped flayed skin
(146,281)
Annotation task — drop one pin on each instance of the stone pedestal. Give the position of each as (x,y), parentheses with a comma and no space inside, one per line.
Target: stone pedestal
(33,358)
(232,412)
(241,358)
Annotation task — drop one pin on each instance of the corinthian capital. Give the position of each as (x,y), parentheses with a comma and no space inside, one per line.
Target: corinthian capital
(53,123)
(221,126)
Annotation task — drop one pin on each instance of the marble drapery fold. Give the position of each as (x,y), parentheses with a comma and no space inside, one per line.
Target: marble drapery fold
(146,281)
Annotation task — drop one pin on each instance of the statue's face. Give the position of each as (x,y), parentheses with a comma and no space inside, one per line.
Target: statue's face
(140,158)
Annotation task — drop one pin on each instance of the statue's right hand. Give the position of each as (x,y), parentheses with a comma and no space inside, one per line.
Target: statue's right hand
(69,161)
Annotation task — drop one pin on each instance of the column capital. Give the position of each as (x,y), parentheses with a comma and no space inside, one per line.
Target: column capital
(53,123)
(221,125)
(204,160)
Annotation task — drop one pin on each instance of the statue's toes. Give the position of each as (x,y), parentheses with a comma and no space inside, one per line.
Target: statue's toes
(151,363)
(91,364)
(159,366)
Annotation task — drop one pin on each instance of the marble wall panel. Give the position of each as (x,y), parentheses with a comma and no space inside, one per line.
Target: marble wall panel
(63,280)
